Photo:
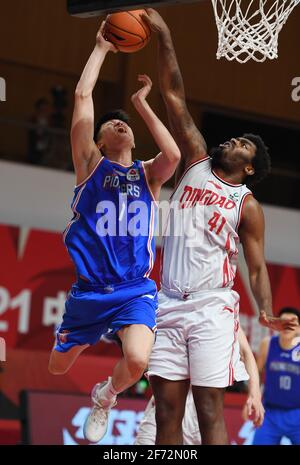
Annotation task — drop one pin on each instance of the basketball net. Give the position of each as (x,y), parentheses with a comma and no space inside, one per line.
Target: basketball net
(249,29)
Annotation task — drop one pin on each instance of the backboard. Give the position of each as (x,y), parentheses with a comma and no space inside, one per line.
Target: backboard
(87,8)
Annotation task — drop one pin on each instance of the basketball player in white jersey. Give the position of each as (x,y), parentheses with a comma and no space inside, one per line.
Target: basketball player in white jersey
(198,319)
(190,430)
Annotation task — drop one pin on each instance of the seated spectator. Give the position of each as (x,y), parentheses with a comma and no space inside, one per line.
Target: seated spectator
(38,135)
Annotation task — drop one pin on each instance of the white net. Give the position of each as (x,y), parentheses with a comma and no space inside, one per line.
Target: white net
(249,29)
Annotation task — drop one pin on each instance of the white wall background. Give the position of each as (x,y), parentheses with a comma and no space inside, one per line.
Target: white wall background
(40,198)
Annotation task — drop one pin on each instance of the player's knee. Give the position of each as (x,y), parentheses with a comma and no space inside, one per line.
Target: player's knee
(137,365)
(168,421)
(209,415)
(168,412)
(209,402)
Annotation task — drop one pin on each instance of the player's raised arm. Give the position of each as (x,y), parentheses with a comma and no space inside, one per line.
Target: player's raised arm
(189,139)
(82,130)
(162,167)
(251,233)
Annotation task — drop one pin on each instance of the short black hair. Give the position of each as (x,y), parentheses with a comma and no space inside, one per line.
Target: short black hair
(115,114)
(261,161)
(292,310)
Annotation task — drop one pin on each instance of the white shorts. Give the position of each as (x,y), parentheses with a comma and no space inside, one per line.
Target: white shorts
(190,430)
(197,339)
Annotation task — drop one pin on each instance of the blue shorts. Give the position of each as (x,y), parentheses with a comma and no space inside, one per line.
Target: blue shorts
(93,310)
(278,423)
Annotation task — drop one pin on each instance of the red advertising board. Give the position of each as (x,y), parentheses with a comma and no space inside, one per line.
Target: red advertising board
(65,414)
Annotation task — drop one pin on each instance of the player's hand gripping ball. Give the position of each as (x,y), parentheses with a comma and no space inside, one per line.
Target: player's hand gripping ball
(127,30)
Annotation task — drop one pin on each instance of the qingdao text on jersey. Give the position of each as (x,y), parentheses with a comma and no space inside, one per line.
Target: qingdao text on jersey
(200,245)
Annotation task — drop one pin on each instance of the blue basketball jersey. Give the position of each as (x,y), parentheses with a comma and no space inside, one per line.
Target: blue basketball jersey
(282,384)
(111,235)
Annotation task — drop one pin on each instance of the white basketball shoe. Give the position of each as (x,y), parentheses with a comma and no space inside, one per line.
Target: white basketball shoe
(95,425)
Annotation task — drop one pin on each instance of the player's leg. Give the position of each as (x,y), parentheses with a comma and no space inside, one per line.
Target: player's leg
(73,336)
(295,437)
(137,341)
(61,362)
(190,424)
(269,433)
(147,430)
(209,405)
(211,345)
(291,421)
(169,370)
(170,398)
(190,430)
(134,323)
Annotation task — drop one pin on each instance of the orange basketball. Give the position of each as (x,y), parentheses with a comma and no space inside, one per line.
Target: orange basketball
(127,30)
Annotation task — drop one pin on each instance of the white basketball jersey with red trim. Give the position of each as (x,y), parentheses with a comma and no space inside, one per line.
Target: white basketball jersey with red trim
(200,244)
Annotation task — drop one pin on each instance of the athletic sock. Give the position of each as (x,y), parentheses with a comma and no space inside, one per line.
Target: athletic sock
(108,394)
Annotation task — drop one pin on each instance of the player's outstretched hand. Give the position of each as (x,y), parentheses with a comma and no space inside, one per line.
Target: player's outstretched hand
(275,323)
(143,92)
(100,40)
(254,410)
(154,20)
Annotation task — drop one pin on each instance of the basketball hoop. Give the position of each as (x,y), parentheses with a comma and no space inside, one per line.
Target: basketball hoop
(249,29)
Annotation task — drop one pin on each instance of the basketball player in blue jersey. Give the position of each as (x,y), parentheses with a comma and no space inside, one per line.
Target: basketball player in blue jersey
(110,239)
(279,357)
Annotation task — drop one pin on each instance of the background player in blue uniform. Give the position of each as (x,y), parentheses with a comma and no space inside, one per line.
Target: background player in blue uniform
(279,356)
(110,239)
